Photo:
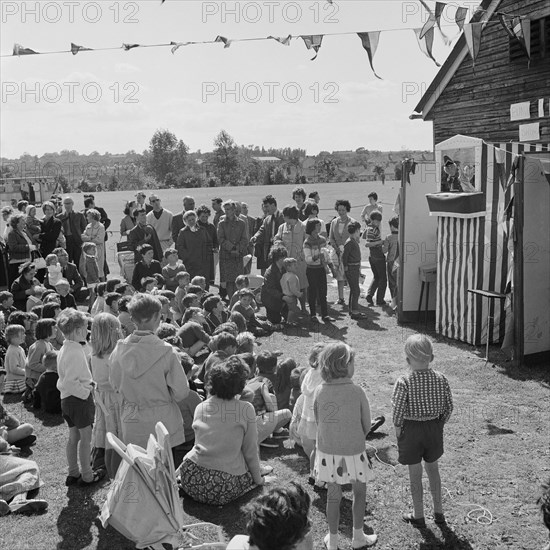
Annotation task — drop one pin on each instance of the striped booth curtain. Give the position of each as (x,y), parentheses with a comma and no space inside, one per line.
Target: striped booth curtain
(473,252)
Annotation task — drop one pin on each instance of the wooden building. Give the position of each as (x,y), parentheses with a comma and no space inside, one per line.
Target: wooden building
(476,100)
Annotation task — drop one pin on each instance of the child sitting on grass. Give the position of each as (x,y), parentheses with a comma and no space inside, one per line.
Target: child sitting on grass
(128,326)
(422,405)
(54,269)
(242,281)
(269,416)
(148,374)
(35,299)
(182,279)
(6,304)
(13,431)
(15,360)
(45,333)
(76,386)
(63,288)
(192,333)
(244,307)
(99,303)
(215,312)
(111,303)
(46,396)
(173,266)
(277,519)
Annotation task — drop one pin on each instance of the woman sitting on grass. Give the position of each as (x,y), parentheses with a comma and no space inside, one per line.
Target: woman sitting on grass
(224,464)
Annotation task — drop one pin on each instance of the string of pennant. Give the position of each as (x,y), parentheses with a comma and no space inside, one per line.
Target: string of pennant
(517,27)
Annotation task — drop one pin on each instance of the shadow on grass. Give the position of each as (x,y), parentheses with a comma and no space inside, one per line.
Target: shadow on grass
(452,540)
(498,359)
(76,519)
(318,331)
(495,430)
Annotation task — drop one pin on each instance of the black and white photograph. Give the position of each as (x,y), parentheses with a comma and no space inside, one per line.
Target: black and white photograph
(274,275)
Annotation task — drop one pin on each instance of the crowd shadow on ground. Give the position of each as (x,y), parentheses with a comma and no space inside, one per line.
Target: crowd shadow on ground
(74,523)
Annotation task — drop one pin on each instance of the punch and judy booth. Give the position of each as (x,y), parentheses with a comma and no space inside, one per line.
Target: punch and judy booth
(481,215)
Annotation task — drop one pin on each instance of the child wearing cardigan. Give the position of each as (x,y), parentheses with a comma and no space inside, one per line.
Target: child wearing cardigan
(342,414)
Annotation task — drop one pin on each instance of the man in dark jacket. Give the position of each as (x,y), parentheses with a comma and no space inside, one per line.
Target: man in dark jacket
(264,236)
(74,224)
(70,272)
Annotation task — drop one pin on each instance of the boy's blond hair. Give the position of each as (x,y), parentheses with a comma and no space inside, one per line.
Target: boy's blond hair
(287,262)
(70,320)
(419,348)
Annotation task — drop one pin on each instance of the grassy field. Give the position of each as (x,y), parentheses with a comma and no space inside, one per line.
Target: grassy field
(496,456)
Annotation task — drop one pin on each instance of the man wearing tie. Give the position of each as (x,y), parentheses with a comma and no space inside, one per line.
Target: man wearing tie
(74,223)
(264,236)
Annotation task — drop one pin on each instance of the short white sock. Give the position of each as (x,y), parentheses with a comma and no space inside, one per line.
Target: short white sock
(358,534)
(333,540)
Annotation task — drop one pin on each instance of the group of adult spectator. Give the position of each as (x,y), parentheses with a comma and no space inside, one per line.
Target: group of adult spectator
(27,238)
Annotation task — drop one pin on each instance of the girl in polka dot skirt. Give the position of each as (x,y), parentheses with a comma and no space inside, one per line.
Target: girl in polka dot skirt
(342,414)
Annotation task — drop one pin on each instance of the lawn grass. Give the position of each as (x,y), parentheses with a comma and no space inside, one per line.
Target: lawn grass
(496,455)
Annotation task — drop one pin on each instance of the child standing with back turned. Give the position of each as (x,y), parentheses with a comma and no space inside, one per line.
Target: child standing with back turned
(342,414)
(422,405)
(77,404)
(148,374)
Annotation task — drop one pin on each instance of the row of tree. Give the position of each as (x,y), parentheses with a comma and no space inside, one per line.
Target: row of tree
(168,163)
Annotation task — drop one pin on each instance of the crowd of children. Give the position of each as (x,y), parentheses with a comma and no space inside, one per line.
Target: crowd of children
(176,353)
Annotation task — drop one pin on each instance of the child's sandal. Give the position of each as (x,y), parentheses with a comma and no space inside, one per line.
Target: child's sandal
(72,480)
(98,476)
(419,523)
(439,519)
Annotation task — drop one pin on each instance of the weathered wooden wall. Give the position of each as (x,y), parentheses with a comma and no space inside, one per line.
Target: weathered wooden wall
(476,102)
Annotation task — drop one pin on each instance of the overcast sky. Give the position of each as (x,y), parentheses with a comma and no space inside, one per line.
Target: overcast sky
(281,98)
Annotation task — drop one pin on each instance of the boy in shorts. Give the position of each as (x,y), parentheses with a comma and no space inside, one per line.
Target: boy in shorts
(75,385)
(422,405)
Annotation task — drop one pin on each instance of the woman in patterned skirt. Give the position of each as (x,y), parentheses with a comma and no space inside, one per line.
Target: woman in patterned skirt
(224,464)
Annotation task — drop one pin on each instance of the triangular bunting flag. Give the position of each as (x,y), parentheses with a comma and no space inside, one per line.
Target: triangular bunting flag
(178,45)
(433,19)
(281,40)
(520,29)
(127,47)
(429,24)
(370,43)
(21,50)
(313,42)
(460,17)
(426,43)
(225,41)
(472,33)
(75,49)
